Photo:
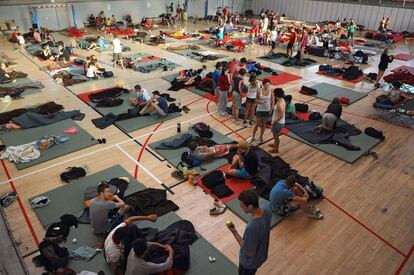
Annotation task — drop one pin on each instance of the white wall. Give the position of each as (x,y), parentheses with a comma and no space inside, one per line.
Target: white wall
(313,11)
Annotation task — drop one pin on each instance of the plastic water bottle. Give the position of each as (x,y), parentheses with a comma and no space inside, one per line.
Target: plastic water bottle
(178,127)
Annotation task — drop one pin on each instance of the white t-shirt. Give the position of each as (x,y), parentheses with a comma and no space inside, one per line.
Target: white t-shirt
(273,35)
(20,40)
(203,74)
(112,251)
(265,23)
(117,45)
(90,72)
(144,94)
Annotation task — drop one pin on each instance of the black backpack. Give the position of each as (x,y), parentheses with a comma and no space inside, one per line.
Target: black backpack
(79,61)
(315,192)
(189,159)
(57,232)
(351,73)
(72,174)
(325,67)
(315,116)
(213,179)
(372,132)
(107,74)
(301,108)
(308,90)
(203,130)
(52,256)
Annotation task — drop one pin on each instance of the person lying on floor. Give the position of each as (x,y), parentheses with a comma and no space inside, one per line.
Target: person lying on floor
(287,196)
(141,98)
(202,153)
(157,106)
(4,76)
(331,115)
(113,242)
(245,163)
(194,77)
(396,96)
(137,265)
(106,210)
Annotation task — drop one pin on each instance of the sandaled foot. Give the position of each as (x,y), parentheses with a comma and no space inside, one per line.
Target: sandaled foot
(274,151)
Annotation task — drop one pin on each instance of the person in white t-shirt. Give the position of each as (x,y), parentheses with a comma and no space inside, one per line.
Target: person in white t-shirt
(113,242)
(117,51)
(273,40)
(142,96)
(91,70)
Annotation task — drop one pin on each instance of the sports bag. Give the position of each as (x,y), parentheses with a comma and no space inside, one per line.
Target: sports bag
(315,116)
(315,192)
(189,159)
(213,179)
(107,74)
(72,174)
(301,108)
(372,132)
(351,73)
(325,67)
(203,130)
(344,100)
(79,61)
(57,232)
(308,90)
(52,256)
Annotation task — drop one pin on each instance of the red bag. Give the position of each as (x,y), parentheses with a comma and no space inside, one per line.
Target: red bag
(344,100)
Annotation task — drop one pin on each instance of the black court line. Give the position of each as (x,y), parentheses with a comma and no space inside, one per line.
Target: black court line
(30,254)
(168,188)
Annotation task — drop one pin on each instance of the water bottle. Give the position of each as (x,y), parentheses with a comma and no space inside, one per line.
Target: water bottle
(178,127)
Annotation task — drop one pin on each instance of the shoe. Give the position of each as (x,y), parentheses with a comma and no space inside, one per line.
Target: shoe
(250,140)
(251,122)
(7,199)
(236,121)
(374,155)
(316,216)
(317,211)
(219,204)
(245,124)
(217,211)
(261,141)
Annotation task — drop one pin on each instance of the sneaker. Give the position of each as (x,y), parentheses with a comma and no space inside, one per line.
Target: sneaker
(236,121)
(260,140)
(316,216)
(317,211)
(219,204)
(245,124)
(7,199)
(252,122)
(217,211)
(250,140)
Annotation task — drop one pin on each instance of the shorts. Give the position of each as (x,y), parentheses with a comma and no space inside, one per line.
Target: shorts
(242,173)
(250,100)
(277,127)
(273,45)
(328,121)
(117,56)
(289,46)
(158,111)
(262,114)
(236,100)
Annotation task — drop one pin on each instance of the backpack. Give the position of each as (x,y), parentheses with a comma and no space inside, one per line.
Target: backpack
(315,192)
(203,130)
(107,74)
(325,67)
(213,179)
(315,116)
(308,90)
(351,73)
(52,256)
(189,159)
(79,61)
(72,173)
(372,132)
(57,232)
(301,108)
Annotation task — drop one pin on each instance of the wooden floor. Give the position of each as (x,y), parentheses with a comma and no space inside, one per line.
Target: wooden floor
(369,218)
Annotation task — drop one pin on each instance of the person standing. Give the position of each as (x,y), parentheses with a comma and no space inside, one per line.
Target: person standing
(117,52)
(383,65)
(224,89)
(265,102)
(254,245)
(273,39)
(252,89)
(303,43)
(216,81)
(278,118)
(351,31)
(238,86)
(292,40)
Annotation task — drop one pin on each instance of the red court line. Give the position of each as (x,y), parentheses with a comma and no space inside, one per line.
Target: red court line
(366,227)
(29,224)
(143,148)
(225,125)
(401,267)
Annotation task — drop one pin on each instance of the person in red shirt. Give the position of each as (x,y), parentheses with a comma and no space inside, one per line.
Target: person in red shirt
(225,13)
(303,43)
(224,89)
(292,41)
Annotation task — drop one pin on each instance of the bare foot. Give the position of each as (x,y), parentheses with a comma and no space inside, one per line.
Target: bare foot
(274,151)
(271,145)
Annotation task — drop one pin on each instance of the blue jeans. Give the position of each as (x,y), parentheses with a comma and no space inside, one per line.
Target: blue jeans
(242,173)
(222,102)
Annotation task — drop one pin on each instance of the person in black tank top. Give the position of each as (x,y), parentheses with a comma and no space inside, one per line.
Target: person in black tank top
(383,65)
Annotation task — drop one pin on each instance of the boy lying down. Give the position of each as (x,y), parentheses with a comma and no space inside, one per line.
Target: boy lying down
(202,153)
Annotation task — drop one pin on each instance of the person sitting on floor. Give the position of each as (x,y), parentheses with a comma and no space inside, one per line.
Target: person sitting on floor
(4,76)
(290,107)
(113,242)
(331,115)
(245,163)
(62,54)
(396,96)
(142,96)
(202,153)
(103,210)
(136,265)
(37,37)
(157,106)
(287,196)
(46,53)
(91,71)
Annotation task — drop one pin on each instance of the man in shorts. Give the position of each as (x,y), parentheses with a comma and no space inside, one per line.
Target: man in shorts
(292,41)
(117,52)
(245,163)
(157,106)
(278,118)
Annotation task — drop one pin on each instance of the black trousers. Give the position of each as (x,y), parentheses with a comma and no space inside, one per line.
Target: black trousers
(245,271)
